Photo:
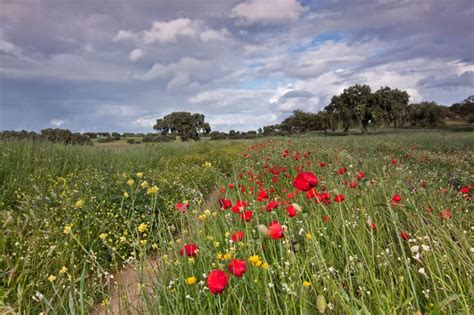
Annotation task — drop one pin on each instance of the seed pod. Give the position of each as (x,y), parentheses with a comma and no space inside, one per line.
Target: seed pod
(321,304)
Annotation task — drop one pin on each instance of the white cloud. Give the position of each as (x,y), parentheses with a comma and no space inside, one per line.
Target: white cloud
(58,122)
(167,32)
(210,34)
(267,11)
(124,35)
(135,55)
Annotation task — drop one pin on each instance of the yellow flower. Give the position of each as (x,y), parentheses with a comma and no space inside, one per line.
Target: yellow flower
(207,164)
(219,256)
(103,236)
(217,244)
(202,217)
(144,184)
(51,278)
(152,190)
(154,246)
(309,236)
(265,265)
(67,229)
(191,280)
(122,239)
(142,227)
(125,194)
(105,302)
(254,260)
(143,242)
(79,204)
(130,182)
(227,256)
(139,175)
(63,270)
(306,284)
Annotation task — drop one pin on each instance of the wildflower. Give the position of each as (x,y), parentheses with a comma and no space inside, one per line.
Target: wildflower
(309,236)
(445,214)
(143,242)
(227,256)
(125,194)
(237,267)
(246,216)
(394,162)
(405,236)
(67,229)
(63,270)
(271,205)
(144,184)
(265,265)
(105,302)
(255,260)
(142,227)
(130,182)
(275,230)
(79,204)
(305,181)
(152,190)
(262,229)
(217,281)
(360,175)
(306,284)
(237,236)
(207,164)
(339,198)
(139,175)
(396,199)
(342,170)
(191,280)
(103,236)
(239,206)
(202,217)
(291,211)
(51,278)
(225,203)
(326,218)
(182,207)
(189,250)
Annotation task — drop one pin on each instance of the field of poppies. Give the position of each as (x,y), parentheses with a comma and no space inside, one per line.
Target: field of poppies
(338,225)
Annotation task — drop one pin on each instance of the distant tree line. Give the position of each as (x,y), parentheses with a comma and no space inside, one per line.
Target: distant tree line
(54,135)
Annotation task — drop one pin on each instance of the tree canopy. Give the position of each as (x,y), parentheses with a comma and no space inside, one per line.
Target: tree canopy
(183,124)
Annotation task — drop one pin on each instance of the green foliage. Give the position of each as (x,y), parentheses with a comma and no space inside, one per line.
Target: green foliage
(183,124)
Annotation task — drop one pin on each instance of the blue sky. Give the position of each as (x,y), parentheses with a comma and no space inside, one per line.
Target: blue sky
(119,65)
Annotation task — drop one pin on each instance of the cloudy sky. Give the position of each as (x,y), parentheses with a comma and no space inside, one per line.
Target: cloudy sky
(117,65)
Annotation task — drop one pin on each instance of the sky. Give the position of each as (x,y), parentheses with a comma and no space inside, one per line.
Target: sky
(118,65)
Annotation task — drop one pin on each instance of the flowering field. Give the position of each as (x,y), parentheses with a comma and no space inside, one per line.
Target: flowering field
(379,224)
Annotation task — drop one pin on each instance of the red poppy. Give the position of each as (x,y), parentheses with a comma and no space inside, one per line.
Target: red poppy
(360,175)
(394,162)
(326,218)
(291,211)
(352,184)
(189,250)
(217,281)
(275,230)
(262,195)
(342,170)
(339,198)
(271,205)
(465,190)
(247,215)
(322,164)
(305,181)
(290,196)
(396,199)
(239,206)
(231,185)
(182,207)
(237,236)
(405,236)
(225,203)
(237,267)
(445,214)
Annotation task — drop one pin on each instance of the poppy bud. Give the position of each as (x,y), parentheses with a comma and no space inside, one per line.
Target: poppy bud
(297,207)
(263,229)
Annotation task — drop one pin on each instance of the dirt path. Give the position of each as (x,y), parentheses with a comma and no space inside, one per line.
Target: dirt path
(130,284)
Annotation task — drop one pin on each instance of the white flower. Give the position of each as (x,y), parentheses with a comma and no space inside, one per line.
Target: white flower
(423,272)
(415,249)
(270,285)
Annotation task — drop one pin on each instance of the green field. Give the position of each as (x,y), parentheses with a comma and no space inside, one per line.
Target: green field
(72,216)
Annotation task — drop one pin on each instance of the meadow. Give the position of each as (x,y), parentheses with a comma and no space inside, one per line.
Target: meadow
(376,224)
